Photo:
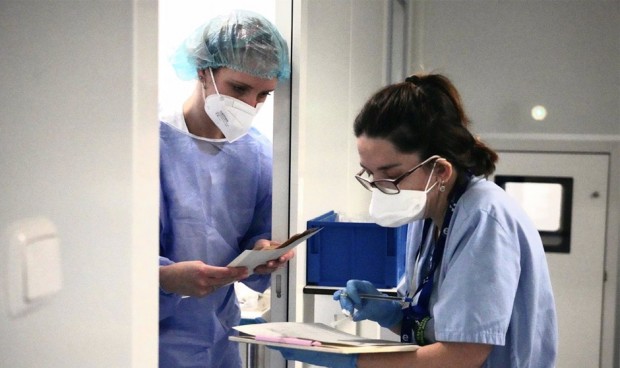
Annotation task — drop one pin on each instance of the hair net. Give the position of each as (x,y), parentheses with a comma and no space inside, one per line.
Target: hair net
(242,40)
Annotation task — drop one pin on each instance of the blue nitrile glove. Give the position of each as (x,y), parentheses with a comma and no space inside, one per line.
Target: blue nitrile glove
(385,312)
(331,360)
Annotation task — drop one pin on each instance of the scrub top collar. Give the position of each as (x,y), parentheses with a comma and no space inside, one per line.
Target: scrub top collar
(177,121)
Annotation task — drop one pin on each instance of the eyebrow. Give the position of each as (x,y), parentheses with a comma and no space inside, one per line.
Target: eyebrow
(243,84)
(383,168)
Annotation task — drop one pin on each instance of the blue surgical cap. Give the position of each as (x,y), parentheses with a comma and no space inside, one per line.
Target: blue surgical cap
(242,40)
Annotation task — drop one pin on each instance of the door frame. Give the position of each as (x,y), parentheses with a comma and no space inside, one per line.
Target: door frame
(281,219)
(555,143)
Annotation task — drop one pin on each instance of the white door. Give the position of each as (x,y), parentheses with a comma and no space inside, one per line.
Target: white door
(577,276)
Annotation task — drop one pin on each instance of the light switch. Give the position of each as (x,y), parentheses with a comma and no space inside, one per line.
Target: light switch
(34,264)
(42,272)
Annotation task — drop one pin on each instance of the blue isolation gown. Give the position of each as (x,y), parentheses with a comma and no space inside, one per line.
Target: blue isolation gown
(215,203)
(493,285)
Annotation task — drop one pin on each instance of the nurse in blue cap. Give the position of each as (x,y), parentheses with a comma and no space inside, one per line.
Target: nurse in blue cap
(216,180)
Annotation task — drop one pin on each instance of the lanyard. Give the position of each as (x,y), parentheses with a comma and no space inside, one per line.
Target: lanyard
(428,268)
(416,316)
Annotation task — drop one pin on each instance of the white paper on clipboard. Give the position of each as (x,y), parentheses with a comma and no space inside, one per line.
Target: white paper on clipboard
(324,338)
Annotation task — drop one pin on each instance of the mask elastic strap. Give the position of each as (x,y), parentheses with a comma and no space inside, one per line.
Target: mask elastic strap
(213,79)
(426,189)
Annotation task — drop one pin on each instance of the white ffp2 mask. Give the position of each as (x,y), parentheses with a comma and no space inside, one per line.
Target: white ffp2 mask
(232,116)
(394,210)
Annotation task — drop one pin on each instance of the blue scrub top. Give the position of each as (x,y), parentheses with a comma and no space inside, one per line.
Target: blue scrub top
(493,285)
(215,203)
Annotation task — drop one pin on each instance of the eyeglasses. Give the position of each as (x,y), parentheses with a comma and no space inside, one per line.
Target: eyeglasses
(390,186)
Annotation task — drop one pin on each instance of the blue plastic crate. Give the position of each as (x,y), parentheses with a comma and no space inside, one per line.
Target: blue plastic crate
(354,250)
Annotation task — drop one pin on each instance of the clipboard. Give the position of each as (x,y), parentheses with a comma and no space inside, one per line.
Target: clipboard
(319,337)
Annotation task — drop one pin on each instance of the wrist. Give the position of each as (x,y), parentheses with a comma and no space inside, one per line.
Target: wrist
(419,328)
(164,277)
(393,316)
(414,329)
(162,291)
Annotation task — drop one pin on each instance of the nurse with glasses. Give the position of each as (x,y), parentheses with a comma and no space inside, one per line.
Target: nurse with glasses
(476,286)
(389,186)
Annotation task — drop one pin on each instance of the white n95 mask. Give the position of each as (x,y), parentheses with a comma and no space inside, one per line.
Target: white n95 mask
(394,210)
(232,116)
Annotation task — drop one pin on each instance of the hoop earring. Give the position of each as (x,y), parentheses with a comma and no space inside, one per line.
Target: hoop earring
(442,188)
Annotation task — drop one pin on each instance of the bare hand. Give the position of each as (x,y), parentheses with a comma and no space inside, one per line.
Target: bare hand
(274,264)
(196,278)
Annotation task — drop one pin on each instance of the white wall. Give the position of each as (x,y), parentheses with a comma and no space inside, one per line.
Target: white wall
(79,137)
(340,63)
(507,56)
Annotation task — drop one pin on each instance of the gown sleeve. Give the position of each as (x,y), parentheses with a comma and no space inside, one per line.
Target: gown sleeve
(481,272)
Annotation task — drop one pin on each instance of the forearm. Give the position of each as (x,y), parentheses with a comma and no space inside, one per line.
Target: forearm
(440,354)
(197,279)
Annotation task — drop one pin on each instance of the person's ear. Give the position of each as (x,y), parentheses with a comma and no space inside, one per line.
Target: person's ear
(201,76)
(444,170)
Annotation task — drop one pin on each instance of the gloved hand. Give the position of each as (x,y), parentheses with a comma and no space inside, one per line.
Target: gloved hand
(385,312)
(331,360)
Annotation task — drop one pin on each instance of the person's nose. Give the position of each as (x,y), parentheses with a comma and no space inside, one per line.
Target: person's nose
(251,100)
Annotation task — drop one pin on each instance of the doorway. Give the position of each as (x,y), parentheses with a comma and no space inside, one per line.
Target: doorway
(577,272)
(177,20)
